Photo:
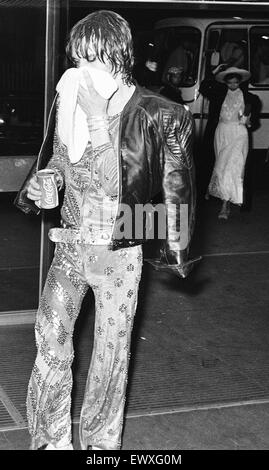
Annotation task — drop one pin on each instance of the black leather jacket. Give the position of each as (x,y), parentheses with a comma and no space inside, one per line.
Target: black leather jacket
(155,154)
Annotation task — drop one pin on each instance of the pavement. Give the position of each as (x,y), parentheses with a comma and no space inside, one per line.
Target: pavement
(243,427)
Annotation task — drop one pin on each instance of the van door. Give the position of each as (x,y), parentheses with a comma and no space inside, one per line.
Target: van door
(259,82)
(224,44)
(247,47)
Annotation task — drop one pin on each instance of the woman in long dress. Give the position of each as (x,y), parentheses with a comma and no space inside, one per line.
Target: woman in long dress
(231,110)
(231,147)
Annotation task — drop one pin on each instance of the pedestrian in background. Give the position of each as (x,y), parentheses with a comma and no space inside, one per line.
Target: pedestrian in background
(232,105)
(171,88)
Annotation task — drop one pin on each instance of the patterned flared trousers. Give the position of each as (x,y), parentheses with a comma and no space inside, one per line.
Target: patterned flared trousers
(114,277)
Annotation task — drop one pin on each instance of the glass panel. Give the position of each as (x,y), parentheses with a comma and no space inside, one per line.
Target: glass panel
(171,48)
(22,46)
(22,36)
(259,55)
(226,46)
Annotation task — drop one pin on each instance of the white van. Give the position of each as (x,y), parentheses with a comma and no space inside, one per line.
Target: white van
(196,45)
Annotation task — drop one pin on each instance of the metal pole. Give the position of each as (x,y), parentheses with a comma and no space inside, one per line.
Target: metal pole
(51,76)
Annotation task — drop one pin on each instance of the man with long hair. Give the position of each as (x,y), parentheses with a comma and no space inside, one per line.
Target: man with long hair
(109,153)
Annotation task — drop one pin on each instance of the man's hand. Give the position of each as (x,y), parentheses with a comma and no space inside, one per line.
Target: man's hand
(89,100)
(34,191)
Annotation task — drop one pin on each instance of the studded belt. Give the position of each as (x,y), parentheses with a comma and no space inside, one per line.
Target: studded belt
(79,235)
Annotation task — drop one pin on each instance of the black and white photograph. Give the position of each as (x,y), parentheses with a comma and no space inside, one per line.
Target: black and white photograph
(134,230)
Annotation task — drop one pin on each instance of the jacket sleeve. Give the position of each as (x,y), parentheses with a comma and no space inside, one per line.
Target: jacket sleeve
(21,201)
(211,89)
(207,88)
(255,105)
(179,193)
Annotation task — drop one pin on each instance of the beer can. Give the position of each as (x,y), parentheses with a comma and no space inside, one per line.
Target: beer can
(49,191)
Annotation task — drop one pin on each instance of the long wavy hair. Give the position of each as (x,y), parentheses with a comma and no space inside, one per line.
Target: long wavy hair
(104,35)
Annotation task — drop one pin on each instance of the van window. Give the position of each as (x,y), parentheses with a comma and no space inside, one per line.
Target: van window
(230,44)
(171,48)
(22,78)
(259,55)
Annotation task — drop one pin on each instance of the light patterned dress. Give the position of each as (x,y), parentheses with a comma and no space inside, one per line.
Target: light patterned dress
(231,148)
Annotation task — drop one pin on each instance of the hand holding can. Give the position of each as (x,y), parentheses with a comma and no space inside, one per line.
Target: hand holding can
(48,186)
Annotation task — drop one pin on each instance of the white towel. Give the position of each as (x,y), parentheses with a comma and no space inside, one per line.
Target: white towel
(72,121)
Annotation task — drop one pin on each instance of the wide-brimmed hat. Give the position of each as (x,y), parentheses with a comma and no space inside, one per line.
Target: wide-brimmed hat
(174,70)
(244,74)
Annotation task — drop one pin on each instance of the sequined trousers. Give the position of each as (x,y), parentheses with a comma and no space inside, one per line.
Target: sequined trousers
(114,277)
